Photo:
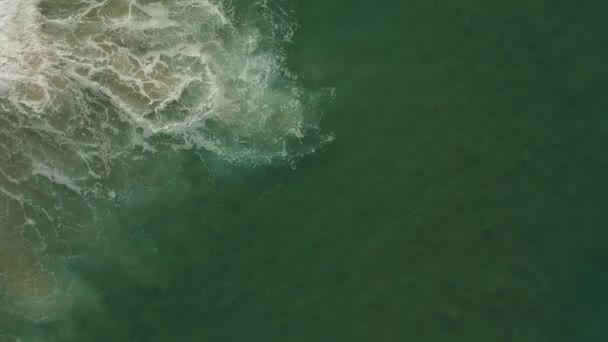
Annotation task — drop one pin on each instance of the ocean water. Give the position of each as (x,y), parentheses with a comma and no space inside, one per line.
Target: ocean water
(282,170)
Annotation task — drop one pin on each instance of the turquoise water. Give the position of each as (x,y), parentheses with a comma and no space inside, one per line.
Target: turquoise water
(462,199)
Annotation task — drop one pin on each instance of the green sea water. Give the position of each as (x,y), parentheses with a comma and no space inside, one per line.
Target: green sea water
(462,199)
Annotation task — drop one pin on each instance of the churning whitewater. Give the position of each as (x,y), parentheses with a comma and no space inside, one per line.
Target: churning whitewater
(90,89)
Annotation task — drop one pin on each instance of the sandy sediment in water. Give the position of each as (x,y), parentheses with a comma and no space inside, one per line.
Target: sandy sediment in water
(31,286)
(28,287)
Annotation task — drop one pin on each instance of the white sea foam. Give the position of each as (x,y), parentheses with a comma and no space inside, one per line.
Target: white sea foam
(23,56)
(91,88)
(19,28)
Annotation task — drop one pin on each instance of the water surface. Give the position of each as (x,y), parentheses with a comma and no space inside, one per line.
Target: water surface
(462,199)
